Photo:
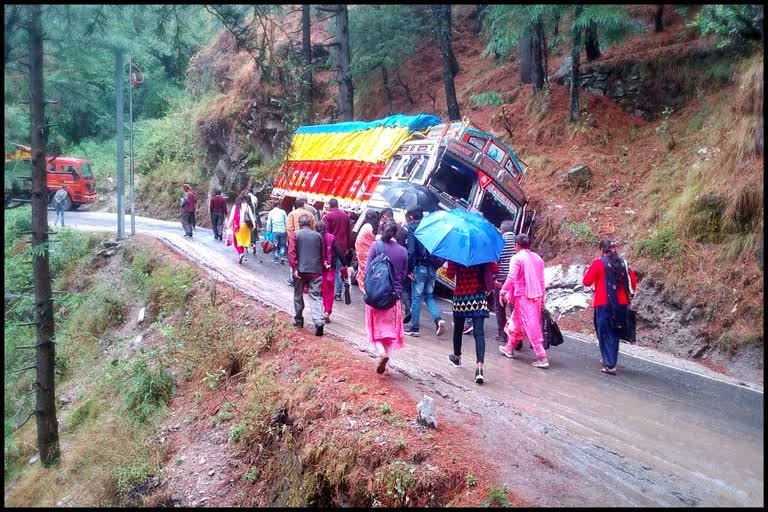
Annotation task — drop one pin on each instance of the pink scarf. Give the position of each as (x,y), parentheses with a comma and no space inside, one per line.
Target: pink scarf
(533,267)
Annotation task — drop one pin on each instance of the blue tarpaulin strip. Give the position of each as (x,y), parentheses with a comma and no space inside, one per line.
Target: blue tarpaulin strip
(418,122)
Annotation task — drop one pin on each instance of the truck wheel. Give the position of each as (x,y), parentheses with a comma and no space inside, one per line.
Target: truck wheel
(68,203)
(75,206)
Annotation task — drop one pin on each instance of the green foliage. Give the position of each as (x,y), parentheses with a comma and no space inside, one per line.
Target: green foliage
(471,479)
(497,496)
(663,244)
(386,408)
(614,22)
(131,474)
(71,245)
(170,286)
(582,232)
(104,307)
(251,475)
(398,480)
(212,379)
(145,390)
(704,219)
(719,73)
(729,23)
(84,413)
(237,431)
(664,128)
(505,25)
(488,99)
(382,35)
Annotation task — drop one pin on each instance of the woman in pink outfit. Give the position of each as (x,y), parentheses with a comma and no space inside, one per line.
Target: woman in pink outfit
(365,238)
(385,326)
(525,288)
(332,248)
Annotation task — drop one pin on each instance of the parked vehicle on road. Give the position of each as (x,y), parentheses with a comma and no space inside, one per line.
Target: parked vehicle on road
(73,173)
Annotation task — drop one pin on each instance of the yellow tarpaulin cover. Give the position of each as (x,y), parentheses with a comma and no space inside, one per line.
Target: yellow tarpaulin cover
(375,145)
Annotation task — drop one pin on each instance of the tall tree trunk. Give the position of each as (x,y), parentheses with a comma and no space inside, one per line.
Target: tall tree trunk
(306,51)
(556,30)
(405,87)
(544,49)
(526,58)
(658,21)
(441,15)
(537,70)
(346,94)
(477,16)
(575,50)
(449,20)
(591,43)
(387,89)
(45,407)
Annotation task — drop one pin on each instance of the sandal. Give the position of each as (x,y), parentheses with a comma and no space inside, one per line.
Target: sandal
(382,365)
(609,371)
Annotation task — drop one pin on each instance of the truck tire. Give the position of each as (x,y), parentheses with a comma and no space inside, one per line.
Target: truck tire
(68,203)
(75,206)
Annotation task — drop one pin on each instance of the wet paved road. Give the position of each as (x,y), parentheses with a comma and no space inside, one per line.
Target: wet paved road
(567,436)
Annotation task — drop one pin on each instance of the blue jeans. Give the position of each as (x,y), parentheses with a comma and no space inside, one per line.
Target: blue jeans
(607,337)
(281,241)
(338,265)
(423,287)
(59,213)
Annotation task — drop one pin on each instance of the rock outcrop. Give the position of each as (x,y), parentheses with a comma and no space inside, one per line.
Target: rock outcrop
(565,291)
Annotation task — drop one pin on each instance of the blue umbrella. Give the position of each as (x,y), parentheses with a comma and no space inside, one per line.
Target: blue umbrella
(460,236)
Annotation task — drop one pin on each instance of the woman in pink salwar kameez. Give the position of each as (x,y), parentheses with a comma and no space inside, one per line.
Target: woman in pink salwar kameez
(365,237)
(385,326)
(332,248)
(524,288)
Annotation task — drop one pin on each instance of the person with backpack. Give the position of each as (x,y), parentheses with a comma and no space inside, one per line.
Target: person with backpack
(365,237)
(422,273)
(384,275)
(525,288)
(240,223)
(388,215)
(188,210)
(253,202)
(218,210)
(470,301)
(614,284)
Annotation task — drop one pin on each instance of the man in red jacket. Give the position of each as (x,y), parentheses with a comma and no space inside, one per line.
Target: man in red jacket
(615,284)
(188,210)
(337,223)
(218,211)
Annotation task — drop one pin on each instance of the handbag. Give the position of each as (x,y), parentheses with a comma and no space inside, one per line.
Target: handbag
(248,219)
(629,332)
(267,246)
(550,330)
(230,237)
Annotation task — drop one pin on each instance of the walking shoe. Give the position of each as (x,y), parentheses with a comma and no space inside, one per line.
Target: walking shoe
(240,259)
(504,350)
(541,362)
(382,365)
(440,327)
(327,318)
(468,329)
(410,331)
(338,297)
(407,318)
(479,375)
(297,323)
(455,360)
(318,330)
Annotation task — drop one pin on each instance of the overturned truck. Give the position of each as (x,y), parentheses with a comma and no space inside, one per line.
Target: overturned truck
(405,161)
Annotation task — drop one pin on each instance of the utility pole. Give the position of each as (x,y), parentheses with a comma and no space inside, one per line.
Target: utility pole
(119,107)
(130,114)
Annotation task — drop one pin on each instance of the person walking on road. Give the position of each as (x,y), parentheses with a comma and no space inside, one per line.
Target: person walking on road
(218,210)
(385,326)
(292,222)
(387,215)
(524,287)
(337,223)
(507,252)
(422,274)
(311,209)
(276,225)
(365,238)
(253,202)
(614,284)
(188,210)
(306,256)
(333,252)
(59,198)
(240,222)
(470,302)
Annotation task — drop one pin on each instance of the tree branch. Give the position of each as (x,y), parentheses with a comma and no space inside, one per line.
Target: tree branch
(33,367)
(33,413)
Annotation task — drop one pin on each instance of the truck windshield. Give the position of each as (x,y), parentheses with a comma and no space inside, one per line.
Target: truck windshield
(86,170)
(456,181)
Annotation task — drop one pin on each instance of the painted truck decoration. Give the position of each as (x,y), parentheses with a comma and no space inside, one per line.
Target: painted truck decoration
(443,165)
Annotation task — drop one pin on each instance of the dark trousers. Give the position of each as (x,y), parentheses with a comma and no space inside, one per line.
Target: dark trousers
(501,316)
(187,222)
(314,285)
(458,332)
(217,223)
(607,337)
(405,297)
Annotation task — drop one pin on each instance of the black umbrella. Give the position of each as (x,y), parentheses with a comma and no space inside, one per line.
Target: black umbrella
(407,195)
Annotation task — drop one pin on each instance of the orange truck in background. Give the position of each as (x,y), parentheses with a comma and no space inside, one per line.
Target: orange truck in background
(73,173)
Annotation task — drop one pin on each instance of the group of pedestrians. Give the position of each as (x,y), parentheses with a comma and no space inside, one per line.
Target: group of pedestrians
(319,252)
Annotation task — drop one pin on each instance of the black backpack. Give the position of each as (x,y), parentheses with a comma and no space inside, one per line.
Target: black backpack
(379,281)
